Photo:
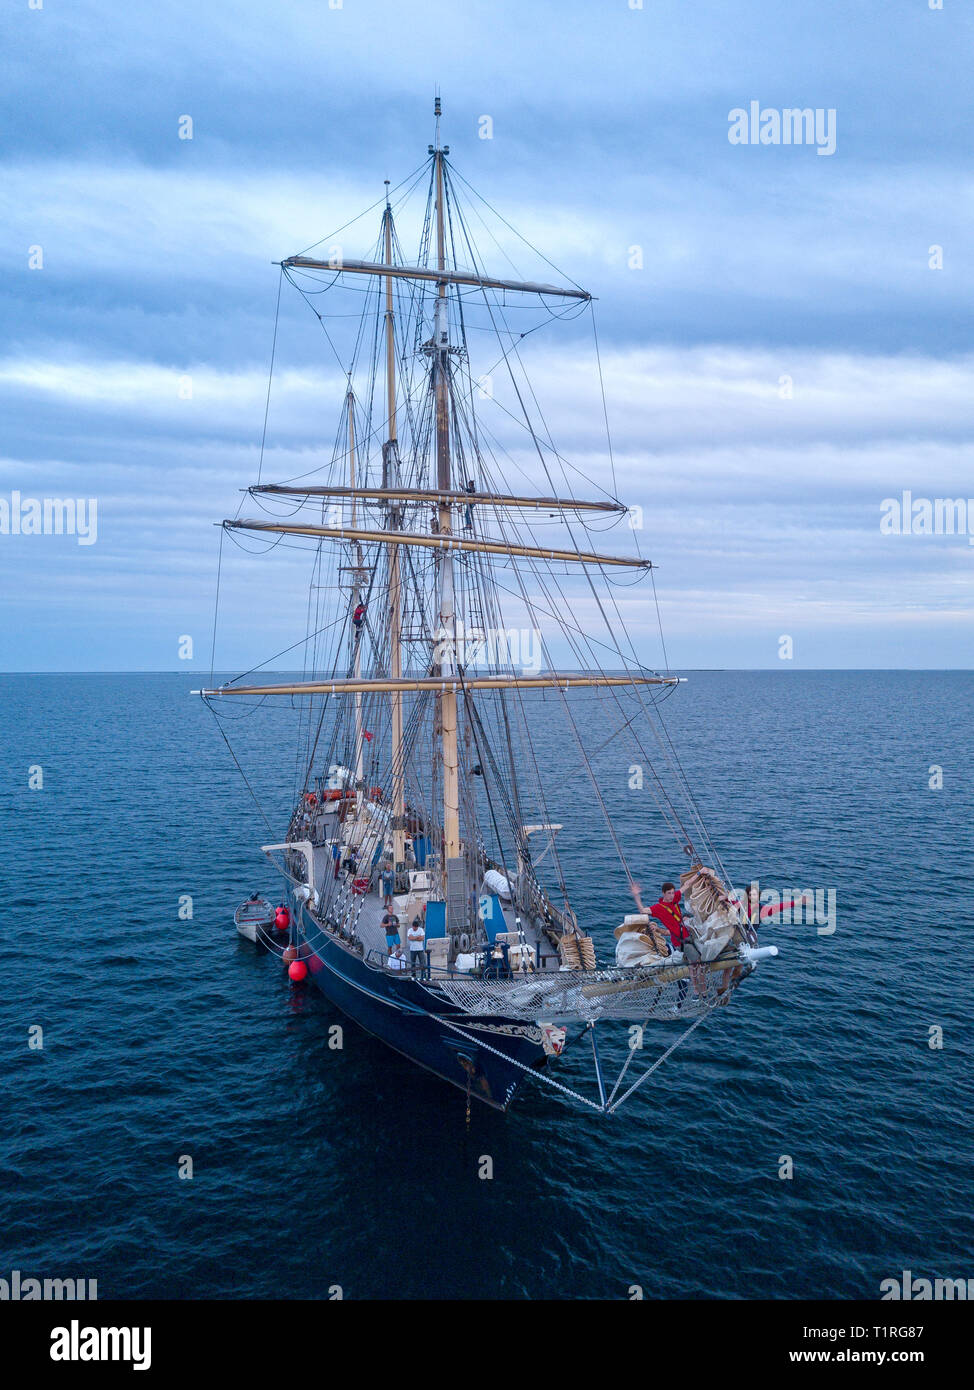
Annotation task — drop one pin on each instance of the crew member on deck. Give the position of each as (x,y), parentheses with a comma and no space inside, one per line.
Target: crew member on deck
(388,877)
(390,925)
(418,959)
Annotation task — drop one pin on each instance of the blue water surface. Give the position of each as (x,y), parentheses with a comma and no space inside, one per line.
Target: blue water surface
(315,1167)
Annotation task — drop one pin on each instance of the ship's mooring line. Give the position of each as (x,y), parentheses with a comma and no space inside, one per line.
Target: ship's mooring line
(438,1018)
(658,1063)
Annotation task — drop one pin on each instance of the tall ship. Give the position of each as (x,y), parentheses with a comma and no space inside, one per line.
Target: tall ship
(466,617)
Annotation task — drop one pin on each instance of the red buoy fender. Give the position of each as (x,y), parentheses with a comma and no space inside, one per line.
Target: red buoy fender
(297,970)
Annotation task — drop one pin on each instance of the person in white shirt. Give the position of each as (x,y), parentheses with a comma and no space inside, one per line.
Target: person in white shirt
(396,959)
(416,937)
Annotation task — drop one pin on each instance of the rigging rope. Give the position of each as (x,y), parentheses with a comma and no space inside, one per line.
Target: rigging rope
(658,1063)
(605,406)
(270,377)
(216,605)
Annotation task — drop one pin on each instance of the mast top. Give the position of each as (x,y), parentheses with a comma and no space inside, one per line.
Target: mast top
(436,148)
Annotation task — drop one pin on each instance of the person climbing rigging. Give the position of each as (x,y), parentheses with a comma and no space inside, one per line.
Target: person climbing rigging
(468,509)
(358,618)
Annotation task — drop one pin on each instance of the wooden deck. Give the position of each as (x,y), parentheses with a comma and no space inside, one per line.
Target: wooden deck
(369,913)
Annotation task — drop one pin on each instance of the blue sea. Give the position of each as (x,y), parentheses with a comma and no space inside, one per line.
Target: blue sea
(167,1036)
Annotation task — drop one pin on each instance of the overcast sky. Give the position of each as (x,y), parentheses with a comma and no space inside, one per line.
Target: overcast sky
(784,360)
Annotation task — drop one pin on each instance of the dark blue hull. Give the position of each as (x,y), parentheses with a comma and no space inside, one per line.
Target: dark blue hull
(410,1019)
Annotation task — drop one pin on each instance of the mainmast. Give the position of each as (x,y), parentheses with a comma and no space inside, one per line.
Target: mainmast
(447,616)
(357,570)
(443,680)
(393,514)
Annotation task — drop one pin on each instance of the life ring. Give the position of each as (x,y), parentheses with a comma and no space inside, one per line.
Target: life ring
(360,885)
(311,799)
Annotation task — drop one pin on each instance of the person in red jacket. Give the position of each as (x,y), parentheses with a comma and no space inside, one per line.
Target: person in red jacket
(670,914)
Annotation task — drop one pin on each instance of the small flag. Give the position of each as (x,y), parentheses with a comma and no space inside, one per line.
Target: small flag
(366,735)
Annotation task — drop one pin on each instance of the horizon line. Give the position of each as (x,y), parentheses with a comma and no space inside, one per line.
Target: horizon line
(695,670)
